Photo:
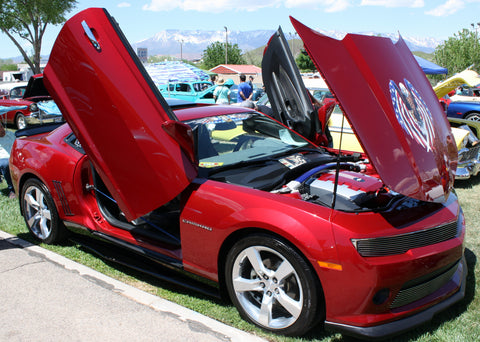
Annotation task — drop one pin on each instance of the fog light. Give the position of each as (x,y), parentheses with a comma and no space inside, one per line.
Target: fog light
(381,296)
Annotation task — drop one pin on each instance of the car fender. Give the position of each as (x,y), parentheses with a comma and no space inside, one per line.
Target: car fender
(31,159)
(461,109)
(205,235)
(11,115)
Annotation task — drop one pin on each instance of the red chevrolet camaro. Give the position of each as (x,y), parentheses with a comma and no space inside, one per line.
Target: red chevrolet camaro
(369,245)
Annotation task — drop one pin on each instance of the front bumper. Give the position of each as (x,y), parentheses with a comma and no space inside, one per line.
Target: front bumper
(38,118)
(390,329)
(468,163)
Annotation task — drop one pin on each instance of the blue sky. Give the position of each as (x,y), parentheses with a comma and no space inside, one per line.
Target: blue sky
(141,19)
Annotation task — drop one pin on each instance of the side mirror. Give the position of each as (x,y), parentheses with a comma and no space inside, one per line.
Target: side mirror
(182,133)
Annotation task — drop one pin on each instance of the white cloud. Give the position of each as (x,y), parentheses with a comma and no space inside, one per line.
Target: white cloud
(218,6)
(124,4)
(327,5)
(446,9)
(393,3)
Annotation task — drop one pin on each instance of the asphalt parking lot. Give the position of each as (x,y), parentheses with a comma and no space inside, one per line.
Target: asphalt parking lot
(46,297)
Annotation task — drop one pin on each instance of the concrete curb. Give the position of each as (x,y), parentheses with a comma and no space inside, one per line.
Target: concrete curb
(139,296)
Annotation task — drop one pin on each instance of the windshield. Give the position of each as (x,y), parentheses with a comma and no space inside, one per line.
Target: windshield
(17,93)
(242,138)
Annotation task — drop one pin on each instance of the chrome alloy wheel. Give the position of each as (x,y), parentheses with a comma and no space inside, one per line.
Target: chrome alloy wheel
(37,212)
(20,121)
(267,287)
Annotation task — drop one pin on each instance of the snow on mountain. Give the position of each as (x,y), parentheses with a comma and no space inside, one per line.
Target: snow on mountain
(192,43)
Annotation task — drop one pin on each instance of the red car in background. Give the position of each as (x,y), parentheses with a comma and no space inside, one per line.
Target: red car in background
(30,96)
(370,245)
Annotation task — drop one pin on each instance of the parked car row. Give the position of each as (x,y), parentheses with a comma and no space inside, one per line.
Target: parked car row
(459,106)
(294,233)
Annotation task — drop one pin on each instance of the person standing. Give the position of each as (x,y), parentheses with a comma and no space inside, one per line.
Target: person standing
(221,94)
(6,141)
(244,90)
(250,81)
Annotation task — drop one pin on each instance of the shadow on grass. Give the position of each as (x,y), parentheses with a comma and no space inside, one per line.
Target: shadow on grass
(4,192)
(467,183)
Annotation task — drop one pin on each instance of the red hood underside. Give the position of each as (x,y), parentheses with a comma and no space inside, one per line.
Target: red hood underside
(392,108)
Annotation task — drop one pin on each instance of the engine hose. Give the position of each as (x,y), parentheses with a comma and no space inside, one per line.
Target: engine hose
(313,171)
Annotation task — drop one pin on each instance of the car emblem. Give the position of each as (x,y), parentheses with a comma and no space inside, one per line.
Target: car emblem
(412,113)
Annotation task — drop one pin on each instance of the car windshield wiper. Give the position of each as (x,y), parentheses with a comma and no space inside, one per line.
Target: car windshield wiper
(297,150)
(240,164)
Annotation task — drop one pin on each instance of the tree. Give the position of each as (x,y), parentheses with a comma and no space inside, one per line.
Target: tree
(8,67)
(459,52)
(214,55)
(28,20)
(304,62)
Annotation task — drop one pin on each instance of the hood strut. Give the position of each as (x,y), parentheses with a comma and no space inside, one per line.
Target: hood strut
(337,170)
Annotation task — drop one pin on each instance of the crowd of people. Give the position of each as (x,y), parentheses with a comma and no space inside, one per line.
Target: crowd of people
(244,96)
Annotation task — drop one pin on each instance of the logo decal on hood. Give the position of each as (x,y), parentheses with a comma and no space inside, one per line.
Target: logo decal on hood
(412,113)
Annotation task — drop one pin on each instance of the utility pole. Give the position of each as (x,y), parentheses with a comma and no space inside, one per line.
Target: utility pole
(181,49)
(226,45)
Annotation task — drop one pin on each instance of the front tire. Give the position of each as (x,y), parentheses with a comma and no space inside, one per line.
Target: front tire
(271,285)
(40,214)
(20,121)
(473,116)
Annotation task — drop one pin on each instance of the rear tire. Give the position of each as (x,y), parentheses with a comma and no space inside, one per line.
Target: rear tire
(40,213)
(271,285)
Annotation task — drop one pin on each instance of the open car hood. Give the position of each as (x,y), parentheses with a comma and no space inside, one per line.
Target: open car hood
(133,139)
(392,109)
(35,87)
(468,77)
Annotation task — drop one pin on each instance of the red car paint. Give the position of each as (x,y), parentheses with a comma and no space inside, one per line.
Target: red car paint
(145,157)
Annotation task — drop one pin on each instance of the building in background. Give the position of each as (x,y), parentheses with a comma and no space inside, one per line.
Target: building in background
(142,54)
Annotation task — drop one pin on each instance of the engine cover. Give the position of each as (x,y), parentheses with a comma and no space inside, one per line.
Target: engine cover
(354,189)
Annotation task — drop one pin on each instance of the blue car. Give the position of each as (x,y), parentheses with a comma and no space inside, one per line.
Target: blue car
(461,106)
(198,91)
(464,110)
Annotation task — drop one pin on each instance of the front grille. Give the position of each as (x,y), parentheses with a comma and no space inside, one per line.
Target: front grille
(399,244)
(409,294)
(468,154)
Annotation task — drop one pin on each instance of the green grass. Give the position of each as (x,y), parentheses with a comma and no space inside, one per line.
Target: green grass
(459,323)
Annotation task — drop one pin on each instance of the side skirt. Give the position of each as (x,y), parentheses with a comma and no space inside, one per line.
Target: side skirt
(139,259)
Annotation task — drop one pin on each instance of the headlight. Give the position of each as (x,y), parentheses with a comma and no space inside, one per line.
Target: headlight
(33,107)
(464,155)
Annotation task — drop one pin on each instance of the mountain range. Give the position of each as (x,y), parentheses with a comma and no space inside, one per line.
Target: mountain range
(190,44)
